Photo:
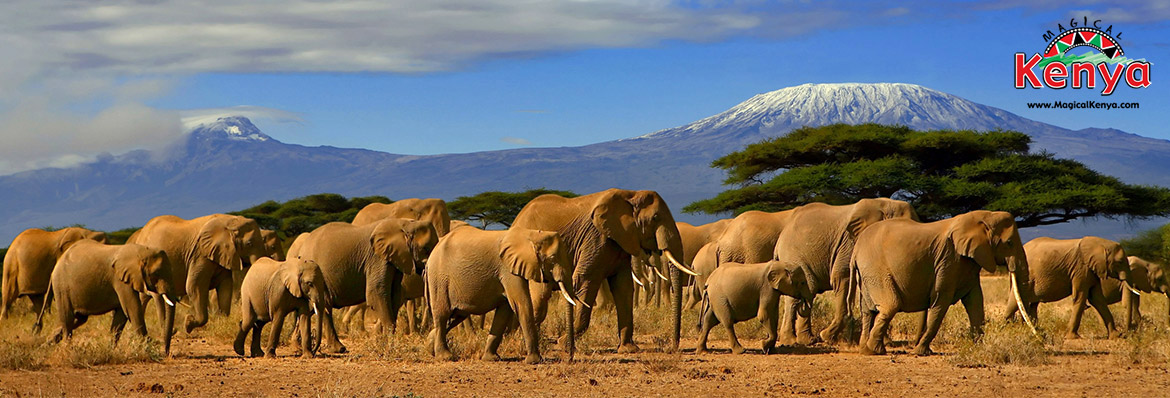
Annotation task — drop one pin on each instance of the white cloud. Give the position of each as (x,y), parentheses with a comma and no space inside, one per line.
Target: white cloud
(516,141)
(194,117)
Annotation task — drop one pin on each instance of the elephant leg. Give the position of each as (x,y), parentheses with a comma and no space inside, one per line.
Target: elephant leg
(787,332)
(877,336)
(709,320)
(411,316)
(500,320)
(1012,307)
(769,321)
(923,317)
(442,316)
(866,328)
(934,319)
(38,302)
(803,324)
(973,304)
(198,289)
(257,330)
(334,345)
(117,323)
(247,319)
(1097,300)
(622,287)
(840,307)
(519,305)
(1074,321)
(586,290)
(541,293)
(223,295)
(1131,304)
(274,338)
(132,310)
(305,331)
(736,348)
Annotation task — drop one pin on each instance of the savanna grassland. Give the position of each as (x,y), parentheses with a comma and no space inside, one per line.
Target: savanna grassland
(1007,361)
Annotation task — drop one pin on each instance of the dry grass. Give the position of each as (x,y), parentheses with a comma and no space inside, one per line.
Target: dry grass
(1001,344)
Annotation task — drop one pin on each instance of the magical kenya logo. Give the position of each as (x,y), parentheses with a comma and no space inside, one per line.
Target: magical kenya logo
(1104,65)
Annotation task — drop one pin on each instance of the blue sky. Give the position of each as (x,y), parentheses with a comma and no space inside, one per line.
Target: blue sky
(555,79)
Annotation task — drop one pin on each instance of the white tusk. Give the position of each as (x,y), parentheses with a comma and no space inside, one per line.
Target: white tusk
(564,292)
(679,265)
(636,279)
(167,300)
(660,276)
(1020,304)
(313,308)
(1133,290)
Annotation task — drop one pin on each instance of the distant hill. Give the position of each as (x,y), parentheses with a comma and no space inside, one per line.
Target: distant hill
(229,164)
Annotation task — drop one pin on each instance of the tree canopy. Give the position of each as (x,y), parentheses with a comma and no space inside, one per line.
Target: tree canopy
(495,207)
(941,173)
(305,214)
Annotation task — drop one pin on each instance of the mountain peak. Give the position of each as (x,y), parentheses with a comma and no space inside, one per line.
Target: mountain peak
(813,105)
(235,128)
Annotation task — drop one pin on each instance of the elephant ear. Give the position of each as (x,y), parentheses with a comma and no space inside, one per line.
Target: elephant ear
(972,238)
(130,270)
(388,239)
(519,256)
(67,238)
(217,244)
(864,214)
(614,216)
(291,280)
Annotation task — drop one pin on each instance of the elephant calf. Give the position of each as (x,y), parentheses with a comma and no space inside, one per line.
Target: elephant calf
(273,289)
(473,272)
(738,292)
(93,278)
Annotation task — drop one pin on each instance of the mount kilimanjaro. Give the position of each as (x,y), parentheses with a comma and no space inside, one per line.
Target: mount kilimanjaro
(229,164)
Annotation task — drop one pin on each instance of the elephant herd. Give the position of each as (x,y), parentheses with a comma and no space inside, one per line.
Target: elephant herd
(874,257)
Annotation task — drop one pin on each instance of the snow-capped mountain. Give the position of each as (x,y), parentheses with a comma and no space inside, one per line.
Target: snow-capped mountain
(228,164)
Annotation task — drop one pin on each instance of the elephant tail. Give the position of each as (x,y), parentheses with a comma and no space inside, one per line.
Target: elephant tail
(36,328)
(703,308)
(8,288)
(853,288)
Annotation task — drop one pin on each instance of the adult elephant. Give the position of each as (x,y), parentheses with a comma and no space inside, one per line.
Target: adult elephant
(1058,268)
(906,266)
(272,247)
(365,264)
(204,254)
(820,238)
(693,238)
(473,272)
(751,237)
(30,260)
(431,210)
(1144,277)
(603,231)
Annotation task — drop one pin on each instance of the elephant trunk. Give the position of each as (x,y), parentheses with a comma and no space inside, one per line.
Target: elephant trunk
(572,328)
(168,324)
(670,242)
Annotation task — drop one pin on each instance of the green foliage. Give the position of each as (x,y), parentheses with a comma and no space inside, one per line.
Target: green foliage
(1149,244)
(495,207)
(305,214)
(120,236)
(51,228)
(941,173)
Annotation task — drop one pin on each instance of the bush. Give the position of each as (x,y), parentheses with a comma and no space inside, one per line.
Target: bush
(1001,344)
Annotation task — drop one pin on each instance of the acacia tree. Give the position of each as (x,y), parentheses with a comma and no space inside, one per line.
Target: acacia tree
(941,173)
(495,207)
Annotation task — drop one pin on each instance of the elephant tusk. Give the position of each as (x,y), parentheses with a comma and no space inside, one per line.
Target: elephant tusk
(660,276)
(565,292)
(1133,290)
(313,308)
(636,279)
(167,300)
(1020,304)
(679,265)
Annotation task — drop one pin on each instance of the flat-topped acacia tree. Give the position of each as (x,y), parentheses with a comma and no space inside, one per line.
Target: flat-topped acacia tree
(941,173)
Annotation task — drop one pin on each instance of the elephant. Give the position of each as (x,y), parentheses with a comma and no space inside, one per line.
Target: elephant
(203,253)
(272,245)
(820,238)
(751,237)
(902,265)
(273,289)
(93,278)
(694,238)
(1058,268)
(30,260)
(473,272)
(366,264)
(1144,277)
(738,292)
(431,210)
(705,264)
(602,231)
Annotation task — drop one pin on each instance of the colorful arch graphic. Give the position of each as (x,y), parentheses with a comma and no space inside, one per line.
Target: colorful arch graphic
(1078,37)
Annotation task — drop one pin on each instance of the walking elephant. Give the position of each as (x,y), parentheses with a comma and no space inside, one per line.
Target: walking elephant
(430,210)
(94,278)
(602,231)
(366,264)
(203,253)
(1058,268)
(30,261)
(473,272)
(906,266)
(751,237)
(739,292)
(820,238)
(1144,277)
(272,290)
(694,238)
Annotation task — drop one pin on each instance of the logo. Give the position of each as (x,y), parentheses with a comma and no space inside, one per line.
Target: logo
(1103,65)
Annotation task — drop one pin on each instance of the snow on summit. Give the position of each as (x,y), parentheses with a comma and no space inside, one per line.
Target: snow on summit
(236,128)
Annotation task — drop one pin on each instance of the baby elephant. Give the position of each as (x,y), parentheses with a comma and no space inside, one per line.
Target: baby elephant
(273,289)
(738,292)
(93,278)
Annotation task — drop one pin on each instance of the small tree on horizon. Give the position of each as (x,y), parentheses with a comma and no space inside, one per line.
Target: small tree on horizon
(941,173)
(496,207)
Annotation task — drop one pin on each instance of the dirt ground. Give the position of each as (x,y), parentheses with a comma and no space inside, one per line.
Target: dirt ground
(205,366)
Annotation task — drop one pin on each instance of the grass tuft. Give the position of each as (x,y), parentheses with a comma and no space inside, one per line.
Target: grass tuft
(1001,344)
